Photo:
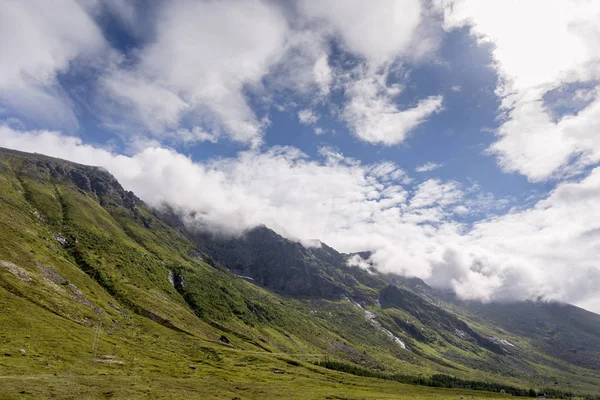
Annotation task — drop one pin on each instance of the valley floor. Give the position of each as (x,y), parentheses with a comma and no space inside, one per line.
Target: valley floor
(245,383)
(154,362)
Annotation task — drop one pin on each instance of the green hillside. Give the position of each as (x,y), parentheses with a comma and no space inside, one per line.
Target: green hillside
(103,297)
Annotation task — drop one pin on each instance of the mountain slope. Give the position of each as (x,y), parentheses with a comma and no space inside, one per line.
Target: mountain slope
(435,329)
(80,257)
(564,331)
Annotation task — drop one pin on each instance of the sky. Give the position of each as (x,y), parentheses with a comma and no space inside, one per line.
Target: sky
(458,140)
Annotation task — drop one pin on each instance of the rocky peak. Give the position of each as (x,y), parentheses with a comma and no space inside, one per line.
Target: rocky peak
(95,181)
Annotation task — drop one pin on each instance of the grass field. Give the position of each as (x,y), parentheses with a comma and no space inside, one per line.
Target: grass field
(151,361)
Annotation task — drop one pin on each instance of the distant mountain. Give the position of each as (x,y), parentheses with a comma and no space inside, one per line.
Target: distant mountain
(563,331)
(81,258)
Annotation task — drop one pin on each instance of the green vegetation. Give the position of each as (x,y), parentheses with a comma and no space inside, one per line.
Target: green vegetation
(447,381)
(107,300)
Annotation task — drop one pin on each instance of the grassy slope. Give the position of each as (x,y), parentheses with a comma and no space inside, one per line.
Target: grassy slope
(115,273)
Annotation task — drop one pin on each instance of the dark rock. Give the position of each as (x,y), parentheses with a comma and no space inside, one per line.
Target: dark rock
(62,240)
(284,265)
(81,180)
(224,339)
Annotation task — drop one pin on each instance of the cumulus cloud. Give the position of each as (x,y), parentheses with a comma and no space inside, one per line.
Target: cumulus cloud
(322,74)
(374,116)
(204,56)
(429,166)
(377,31)
(40,40)
(562,50)
(380,33)
(433,191)
(546,251)
(303,71)
(307,117)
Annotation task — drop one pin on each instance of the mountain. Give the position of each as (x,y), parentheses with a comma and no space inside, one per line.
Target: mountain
(102,296)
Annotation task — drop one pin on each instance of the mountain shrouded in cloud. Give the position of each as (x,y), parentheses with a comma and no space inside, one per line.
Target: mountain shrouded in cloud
(456,141)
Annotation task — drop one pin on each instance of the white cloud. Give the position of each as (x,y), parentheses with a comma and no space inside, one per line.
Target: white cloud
(303,71)
(358,261)
(322,74)
(380,33)
(563,48)
(38,41)
(205,55)
(123,10)
(532,144)
(429,166)
(378,30)
(461,210)
(195,134)
(373,115)
(159,107)
(547,250)
(434,192)
(307,117)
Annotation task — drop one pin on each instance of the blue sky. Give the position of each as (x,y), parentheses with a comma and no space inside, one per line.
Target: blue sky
(442,135)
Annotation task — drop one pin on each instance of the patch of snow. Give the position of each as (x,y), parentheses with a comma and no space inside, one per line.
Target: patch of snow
(501,341)
(246,277)
(460,333)
(357,304)
(372,318)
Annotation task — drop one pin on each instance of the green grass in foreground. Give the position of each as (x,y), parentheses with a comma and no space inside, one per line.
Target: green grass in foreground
(147,360)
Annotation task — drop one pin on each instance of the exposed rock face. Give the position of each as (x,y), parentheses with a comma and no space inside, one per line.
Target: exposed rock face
(284,265)
(276,262)
(93,180)
(17,271)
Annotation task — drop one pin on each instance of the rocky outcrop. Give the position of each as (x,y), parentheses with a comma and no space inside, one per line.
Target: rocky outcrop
(95,181)
(275,262)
